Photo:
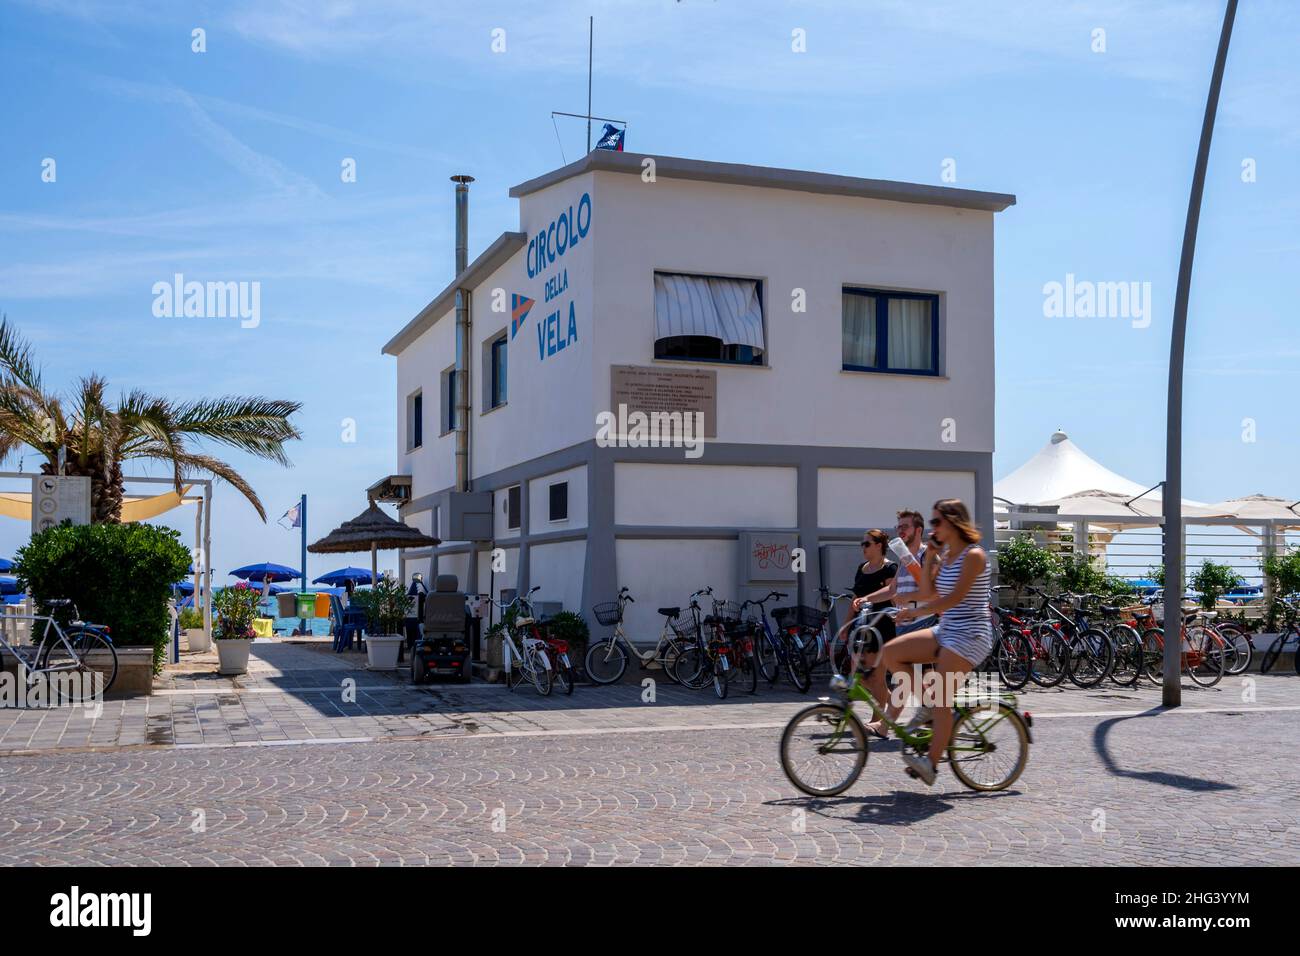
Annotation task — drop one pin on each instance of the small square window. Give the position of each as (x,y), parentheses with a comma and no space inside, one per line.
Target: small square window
(559,493)
(890,332)
(512,508)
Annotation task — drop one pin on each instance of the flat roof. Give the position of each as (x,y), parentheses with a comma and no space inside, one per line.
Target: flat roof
(769,177)
(488,262)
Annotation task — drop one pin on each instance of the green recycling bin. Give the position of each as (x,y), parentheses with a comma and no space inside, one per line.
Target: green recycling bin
(306,604)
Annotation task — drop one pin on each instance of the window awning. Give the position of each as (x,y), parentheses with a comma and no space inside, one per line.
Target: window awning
(726,309)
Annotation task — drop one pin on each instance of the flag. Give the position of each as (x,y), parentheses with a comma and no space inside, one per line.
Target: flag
(611,138)
(293,516)
(519,308)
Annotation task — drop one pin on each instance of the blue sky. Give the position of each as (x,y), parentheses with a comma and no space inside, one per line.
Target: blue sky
(226,165)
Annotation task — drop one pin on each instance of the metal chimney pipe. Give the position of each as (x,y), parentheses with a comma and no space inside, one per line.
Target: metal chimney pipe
(462,334)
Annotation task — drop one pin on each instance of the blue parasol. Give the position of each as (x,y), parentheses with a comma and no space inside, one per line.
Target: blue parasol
(343,575)
(261,572)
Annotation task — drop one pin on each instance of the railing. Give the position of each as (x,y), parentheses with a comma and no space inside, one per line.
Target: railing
(1133,551)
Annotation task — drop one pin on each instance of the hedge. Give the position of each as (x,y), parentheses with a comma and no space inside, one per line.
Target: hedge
(119,575)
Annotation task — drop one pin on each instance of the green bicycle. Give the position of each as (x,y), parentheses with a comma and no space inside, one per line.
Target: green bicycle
(824,747)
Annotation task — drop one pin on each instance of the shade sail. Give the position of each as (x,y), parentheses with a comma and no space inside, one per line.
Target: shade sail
(1262,508)
(18,504)
(373,530)
(1061,468)
(1105,505)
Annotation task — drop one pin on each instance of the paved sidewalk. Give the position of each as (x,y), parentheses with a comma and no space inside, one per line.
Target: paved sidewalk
(300,693)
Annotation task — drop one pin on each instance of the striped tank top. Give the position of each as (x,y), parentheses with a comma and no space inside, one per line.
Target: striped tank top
(971,616)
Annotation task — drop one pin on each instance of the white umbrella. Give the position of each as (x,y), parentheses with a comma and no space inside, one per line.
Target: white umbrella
(1263,508)
(1110,509)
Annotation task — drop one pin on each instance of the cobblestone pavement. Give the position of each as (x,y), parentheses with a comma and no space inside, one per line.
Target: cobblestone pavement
(602,777)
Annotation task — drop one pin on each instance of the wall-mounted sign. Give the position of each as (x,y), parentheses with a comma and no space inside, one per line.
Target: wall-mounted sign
(666,390)
(57,499)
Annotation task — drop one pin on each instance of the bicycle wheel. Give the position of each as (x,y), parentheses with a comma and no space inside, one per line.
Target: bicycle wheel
(746,671)
(562,677)
(990,747)
(797,668)
(1091,658)
(1051,657)
(89,652)
(718,672)
(1206,659)
(1153,655)
(1272,654)
(606,661)
(1128,655)
(1015,661)
(1241,650)
(823,750)
(693,669)
(767,657)
(539,673)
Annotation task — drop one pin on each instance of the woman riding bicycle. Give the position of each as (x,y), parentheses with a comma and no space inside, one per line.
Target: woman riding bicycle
(962,638)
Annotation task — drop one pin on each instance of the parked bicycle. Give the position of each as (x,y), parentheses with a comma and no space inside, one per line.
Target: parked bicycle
(607,659)
(524,656)
(83,649)
(1289,635)
(776,649)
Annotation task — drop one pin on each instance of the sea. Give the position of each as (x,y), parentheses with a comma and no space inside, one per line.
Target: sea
(319,626)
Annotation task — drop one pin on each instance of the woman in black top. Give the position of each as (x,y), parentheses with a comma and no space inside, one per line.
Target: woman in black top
(873,574)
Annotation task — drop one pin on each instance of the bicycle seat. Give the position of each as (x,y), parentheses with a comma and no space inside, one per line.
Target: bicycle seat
(1109,609)
(521,621)
(670,611)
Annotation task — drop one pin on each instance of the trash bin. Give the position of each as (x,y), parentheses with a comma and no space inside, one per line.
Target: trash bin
(306,604)
(286,605)
(262,627)
(322,605)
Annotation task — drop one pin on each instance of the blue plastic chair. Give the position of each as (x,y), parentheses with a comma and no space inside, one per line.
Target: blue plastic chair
(348,624)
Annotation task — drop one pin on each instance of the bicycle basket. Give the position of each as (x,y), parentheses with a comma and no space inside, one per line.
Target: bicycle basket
(684,626)
(799,616)
(726,611)
(609,613)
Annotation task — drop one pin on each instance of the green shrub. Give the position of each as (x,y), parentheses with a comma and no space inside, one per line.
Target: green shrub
(1283,570)
(118,575)
(386,605)
(1213,581)
(191,619)
(572,627)
(1022,562)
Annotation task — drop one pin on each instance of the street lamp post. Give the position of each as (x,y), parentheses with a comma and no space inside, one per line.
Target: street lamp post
(1173,492)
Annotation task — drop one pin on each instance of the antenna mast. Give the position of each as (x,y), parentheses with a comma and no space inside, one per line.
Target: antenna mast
(590,31)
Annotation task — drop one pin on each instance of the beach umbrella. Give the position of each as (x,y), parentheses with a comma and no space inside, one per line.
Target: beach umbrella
(6,565)
(343,575)
(1110,509)
(372,530)
(1264,508)
(266,572)
(9,585)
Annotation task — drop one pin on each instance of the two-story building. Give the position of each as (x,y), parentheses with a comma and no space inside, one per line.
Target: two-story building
(831,336)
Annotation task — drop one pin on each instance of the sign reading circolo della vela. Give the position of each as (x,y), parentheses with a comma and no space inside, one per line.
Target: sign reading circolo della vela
(547,249)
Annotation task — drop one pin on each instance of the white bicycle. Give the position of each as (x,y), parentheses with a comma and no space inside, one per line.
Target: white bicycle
(523,656)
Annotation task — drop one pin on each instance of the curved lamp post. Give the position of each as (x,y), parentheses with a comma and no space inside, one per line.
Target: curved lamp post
(1173,492)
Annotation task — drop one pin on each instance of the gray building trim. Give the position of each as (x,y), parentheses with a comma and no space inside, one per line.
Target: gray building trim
(600,568)
(768,177)
(492,258)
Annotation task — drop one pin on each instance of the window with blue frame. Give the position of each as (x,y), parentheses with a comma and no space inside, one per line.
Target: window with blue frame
(498,366)
(890,331)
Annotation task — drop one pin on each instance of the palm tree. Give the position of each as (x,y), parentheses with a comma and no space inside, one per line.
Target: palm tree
(98,437)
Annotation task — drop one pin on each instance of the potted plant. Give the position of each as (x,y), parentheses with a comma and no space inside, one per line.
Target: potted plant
(235,607)
(195,635)
(386,604)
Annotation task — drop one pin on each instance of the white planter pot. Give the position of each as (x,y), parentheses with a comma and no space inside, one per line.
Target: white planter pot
(232,653)
(381,651)
(198,640)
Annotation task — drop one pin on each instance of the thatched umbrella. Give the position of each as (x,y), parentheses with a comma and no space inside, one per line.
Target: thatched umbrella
(373,529)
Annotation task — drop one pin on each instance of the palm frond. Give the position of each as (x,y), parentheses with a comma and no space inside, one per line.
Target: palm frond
(16,358)
(252,424)
(189,462)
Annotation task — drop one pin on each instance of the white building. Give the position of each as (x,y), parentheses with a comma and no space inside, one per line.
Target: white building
(837,334)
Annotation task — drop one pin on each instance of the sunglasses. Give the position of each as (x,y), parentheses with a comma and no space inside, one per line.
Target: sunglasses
(935,522)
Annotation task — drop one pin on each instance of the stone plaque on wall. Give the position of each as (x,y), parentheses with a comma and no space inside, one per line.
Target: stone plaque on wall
(655,389)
